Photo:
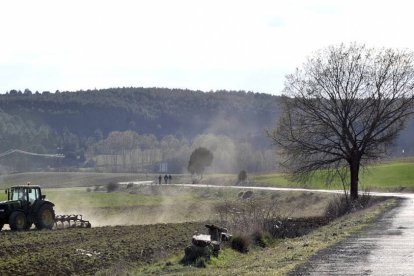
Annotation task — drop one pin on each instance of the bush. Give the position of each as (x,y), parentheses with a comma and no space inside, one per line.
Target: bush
(130,185)
(262,238)
(365,200)
(337,207)
(242,176)
(343,205)
(247,214)
(240,243)
(112,186)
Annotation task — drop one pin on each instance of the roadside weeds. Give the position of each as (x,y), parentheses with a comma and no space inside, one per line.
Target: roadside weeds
(282,256)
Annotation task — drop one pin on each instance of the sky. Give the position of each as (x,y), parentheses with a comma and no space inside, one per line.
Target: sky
(195,44)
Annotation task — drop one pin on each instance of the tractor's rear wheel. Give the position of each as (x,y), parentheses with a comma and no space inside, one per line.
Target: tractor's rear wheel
(45,217)
(18,221)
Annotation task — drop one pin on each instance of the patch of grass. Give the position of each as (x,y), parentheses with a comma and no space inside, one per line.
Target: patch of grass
(79,197)
(79,179)
(262,238)
(391,175)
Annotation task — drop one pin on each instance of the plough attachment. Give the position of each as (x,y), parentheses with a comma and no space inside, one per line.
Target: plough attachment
(71,221)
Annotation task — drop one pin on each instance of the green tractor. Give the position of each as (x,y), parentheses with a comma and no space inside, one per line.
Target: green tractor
(26,205)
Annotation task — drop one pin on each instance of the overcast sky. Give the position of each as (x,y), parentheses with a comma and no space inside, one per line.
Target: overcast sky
(195,44)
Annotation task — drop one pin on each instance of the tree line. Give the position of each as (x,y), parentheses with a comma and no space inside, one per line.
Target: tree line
(131,152)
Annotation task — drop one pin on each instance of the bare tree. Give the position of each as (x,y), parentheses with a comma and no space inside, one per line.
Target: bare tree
(344,108)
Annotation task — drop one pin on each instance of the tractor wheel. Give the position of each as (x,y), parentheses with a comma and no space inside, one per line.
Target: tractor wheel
(18,221)
(45,217)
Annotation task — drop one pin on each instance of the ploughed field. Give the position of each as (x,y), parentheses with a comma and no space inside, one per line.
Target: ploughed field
(136,226)
(86,251)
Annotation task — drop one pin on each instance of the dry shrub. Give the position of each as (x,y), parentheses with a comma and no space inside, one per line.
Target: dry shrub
(245,216)
(337,207)
(112,186)
(262,219)
(242,176)
(240,243)
(342,205)
(248,220)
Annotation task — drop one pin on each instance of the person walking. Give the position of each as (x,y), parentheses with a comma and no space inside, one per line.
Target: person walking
(159,179)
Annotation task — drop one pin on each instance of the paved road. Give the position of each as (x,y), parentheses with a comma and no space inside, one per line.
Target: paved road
(385,248)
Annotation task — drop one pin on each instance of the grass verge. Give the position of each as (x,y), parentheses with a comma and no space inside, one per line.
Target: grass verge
(279,258)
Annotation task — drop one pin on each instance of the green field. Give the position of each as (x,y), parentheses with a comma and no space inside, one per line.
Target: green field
(69,179)
(394,175)
(137,205)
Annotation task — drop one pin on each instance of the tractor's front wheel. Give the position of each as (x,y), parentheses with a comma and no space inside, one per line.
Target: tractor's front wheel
(18,221)
(45,217)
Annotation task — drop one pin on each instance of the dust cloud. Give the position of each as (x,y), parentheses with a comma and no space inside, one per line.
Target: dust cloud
(171,205)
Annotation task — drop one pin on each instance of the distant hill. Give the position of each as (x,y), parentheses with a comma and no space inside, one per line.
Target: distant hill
(74,123)
(157,111)
(91,127)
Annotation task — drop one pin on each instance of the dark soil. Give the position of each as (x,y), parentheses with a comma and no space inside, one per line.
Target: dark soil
(85,251)
(291,228)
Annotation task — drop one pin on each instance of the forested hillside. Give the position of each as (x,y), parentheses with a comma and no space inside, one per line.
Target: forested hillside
(137,129)
(80,124)
(144,110)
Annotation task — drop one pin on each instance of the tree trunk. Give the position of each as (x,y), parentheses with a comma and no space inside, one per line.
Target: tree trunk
(354,168)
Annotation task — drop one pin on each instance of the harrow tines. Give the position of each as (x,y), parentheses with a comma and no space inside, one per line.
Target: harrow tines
(71,221)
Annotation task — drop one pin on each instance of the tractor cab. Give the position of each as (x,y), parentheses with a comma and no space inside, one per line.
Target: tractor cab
(27,195)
